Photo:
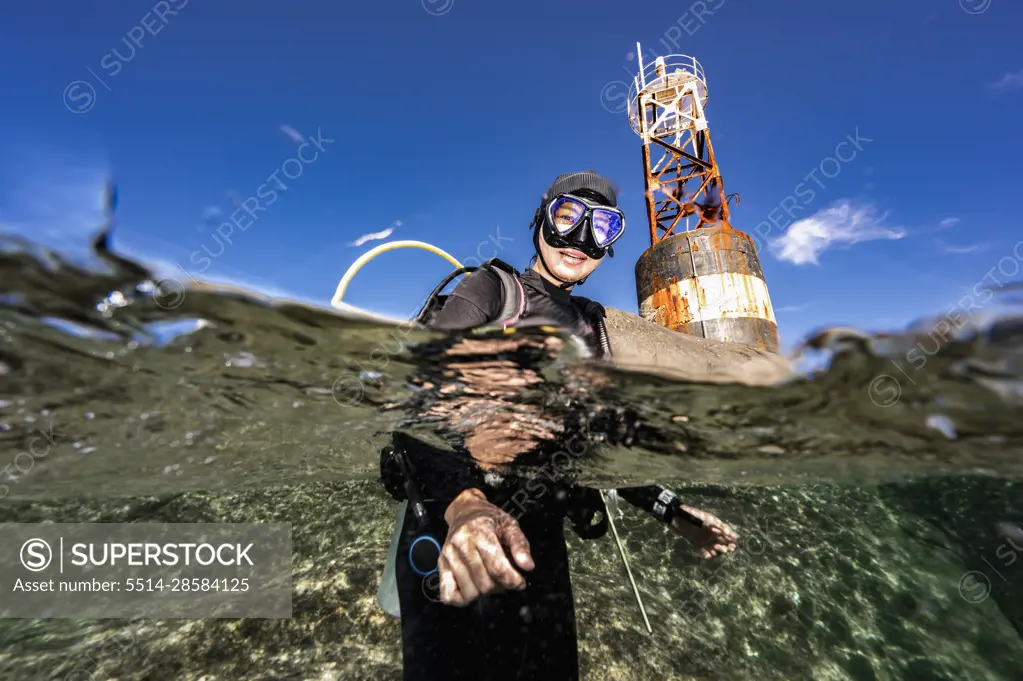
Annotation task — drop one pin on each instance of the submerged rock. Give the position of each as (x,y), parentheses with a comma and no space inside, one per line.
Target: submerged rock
(639,345)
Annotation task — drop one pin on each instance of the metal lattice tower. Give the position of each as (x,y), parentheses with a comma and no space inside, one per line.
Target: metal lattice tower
(705,279)
(667,103)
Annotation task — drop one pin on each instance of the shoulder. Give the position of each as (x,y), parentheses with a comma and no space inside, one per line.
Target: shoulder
(481,287)
(475,300)
(590,308)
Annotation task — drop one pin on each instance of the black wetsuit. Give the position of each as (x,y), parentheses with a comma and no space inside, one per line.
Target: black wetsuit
(522,635)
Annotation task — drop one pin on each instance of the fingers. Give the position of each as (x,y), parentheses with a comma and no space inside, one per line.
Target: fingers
(714,527)
(713,539)
(473,561)
(721,549)
(463,571)
(456,587)
(513,537)
(500,567)
(720,529)
(727,532)
(474,568)
(508,533)
(449,592)
(720,541)
(716,544)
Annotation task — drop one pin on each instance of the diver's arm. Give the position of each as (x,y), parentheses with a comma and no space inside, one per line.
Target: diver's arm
(475,301)
(662,503)
(708,534)
(465,499)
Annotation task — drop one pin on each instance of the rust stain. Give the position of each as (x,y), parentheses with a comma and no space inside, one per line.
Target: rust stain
(748,300)
(663,307)
(684,311)
(701,295)
(672,307)
(685,305)
(718,242)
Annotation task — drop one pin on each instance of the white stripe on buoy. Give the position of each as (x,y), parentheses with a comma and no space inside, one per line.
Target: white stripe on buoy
(722,296)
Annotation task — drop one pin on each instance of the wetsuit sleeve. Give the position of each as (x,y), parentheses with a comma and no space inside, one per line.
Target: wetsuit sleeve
(475,301)
(439,476)
(658,501)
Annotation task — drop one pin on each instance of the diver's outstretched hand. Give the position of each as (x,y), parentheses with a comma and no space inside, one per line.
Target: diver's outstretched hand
(713,539)
(473,561)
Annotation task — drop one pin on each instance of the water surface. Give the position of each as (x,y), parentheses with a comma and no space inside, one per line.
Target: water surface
(863,495)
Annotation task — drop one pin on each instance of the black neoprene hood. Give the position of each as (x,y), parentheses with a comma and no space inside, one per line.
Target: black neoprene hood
(587,179)
(580,239)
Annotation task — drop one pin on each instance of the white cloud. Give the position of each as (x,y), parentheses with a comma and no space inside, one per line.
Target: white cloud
(373,236)
(292,134)
(1009,81)
(841,224)
(974,248)
(948,222)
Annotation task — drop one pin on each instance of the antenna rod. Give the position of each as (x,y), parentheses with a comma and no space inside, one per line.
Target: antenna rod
(639,60)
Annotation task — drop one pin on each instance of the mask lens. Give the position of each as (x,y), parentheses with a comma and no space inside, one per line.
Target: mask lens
(607,226)
(566,214)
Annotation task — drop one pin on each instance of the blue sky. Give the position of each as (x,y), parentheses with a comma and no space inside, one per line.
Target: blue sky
(445,120)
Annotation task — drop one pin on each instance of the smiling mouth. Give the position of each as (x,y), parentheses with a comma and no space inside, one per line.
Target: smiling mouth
(573,257)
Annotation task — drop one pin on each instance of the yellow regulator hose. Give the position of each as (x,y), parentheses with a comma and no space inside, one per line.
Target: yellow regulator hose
(342,285)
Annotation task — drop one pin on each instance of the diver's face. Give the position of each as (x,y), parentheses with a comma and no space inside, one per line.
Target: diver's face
(568,263)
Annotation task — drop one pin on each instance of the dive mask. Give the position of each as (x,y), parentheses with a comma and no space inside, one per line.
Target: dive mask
(604,224)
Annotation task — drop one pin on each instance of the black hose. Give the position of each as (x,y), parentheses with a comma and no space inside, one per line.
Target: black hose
(602,338)
(421,317)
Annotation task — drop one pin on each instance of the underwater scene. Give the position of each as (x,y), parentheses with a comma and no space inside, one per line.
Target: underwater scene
(878,536)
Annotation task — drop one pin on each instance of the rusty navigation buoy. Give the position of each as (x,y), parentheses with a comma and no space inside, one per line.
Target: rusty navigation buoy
(705,280)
